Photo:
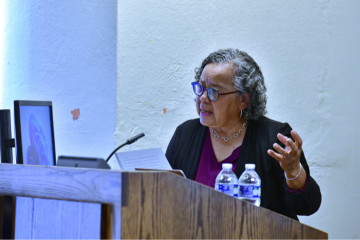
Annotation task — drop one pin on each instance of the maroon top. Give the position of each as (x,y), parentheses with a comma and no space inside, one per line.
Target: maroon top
(209,167)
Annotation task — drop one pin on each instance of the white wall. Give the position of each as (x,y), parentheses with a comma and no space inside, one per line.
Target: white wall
(308,52)
(2,36)
(64,51)
(342,148)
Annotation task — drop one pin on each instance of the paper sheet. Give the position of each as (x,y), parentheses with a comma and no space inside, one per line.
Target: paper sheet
(149,158)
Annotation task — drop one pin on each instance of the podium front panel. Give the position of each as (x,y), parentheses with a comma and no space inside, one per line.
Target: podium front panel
(56,219)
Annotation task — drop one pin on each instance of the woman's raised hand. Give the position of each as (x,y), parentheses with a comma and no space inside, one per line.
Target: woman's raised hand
(289,159)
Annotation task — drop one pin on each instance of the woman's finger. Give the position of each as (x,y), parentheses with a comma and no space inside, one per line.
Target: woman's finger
(280,150)
(282,138)
(298,140)
(275,155)
(292,145)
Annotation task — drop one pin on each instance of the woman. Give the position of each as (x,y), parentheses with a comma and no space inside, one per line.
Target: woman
(232,128)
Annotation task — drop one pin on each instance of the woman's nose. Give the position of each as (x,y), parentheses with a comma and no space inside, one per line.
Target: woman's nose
(204,96)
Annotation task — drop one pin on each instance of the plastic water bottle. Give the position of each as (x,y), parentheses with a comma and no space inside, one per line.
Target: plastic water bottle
(250,185)
(227,181)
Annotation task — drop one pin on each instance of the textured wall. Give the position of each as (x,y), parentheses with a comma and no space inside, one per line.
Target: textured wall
(307,52)
(340,146)
(2,36)
(64,51)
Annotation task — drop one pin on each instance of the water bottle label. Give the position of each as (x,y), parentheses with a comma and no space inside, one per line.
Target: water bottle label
(250,191)
(236,190)
(228,188)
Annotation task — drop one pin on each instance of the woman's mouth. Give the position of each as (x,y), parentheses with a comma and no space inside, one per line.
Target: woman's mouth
(204,111)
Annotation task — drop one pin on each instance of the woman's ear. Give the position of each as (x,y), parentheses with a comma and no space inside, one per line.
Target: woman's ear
(244,100)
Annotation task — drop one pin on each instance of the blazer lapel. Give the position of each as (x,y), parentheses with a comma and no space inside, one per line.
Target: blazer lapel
(246,148)
(199,135)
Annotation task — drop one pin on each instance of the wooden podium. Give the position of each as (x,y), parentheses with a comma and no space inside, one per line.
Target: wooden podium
(55,202)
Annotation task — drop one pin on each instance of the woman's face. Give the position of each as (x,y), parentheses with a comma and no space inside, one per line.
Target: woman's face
(225,112)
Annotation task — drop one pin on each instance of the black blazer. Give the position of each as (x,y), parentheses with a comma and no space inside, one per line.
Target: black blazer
(185,148)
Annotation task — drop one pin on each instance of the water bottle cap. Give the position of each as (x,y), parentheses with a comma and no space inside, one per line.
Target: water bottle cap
(227,165)
(249,166)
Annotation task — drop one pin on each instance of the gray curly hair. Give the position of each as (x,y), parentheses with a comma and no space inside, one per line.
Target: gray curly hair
(248,79)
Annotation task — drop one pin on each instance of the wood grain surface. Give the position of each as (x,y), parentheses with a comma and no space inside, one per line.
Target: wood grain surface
(137,205)
(72,185)
(38,218)
(163,205)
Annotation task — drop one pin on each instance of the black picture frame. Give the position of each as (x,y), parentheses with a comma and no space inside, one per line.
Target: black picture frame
(17,119)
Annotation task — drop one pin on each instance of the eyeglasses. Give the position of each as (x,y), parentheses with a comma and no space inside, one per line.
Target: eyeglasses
(213,94)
